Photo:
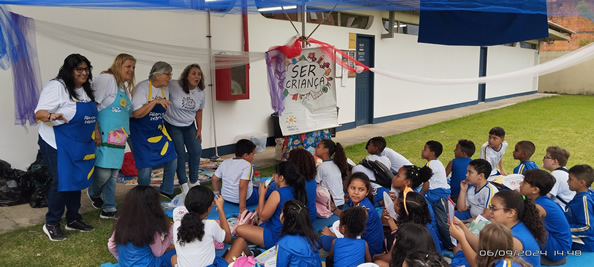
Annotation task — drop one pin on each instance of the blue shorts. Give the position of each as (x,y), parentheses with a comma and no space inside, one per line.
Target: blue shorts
(435,195)
(465,215)
(269,238)
(218,262)
(254,198)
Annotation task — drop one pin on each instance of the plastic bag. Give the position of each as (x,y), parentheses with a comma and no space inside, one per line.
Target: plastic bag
(177,201)
(13,186)
(41,181)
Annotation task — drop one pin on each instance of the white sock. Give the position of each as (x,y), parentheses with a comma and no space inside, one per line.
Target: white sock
(185,188)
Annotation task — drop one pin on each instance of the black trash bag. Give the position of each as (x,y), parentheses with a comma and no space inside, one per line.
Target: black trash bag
(11,186)
(41,180)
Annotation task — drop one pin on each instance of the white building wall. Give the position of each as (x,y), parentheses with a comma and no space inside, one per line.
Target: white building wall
(503,59)
(238,118)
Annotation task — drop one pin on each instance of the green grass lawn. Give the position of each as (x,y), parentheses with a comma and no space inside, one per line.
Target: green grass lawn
(564,120)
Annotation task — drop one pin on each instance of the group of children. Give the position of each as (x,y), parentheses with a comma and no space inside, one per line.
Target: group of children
(530,225)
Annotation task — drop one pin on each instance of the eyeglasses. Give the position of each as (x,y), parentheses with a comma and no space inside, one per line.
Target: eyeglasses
(546,157)
(404,193)
(492,208)
(80,70)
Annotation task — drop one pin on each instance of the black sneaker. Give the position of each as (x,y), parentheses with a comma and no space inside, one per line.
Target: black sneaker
(79,225)
(96,202)
(107,214)
(168,196)
(54,232)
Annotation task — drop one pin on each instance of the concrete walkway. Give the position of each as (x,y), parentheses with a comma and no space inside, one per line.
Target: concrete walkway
(15,217)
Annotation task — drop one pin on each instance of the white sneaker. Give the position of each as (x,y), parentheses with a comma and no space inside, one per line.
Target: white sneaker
(185,188)
(194,184)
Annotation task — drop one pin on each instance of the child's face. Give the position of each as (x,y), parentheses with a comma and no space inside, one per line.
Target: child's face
(372,149)
(399,181)
(495,141)
(499,214)
(527,189)
(458,152)
(249,157)
(357,190)
(574,183)
(320,150)
(518,152)
(472,176)
(426,153)
(548,162)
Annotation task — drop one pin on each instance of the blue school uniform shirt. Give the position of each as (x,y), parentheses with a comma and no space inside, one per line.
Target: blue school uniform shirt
(529,244)
(558,233)
(459,169)
(349,252)
(274,225)
(524,166)
(295,250)
(579,212)
(310,190)
(374,231)
(130,255)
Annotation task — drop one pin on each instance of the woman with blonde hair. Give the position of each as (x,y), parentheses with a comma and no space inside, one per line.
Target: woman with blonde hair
(112,95)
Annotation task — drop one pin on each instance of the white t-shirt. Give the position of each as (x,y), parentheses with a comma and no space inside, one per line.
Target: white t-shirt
(328,175)
(196,253)
(396,160)
(439,179)
(105,90)
(184,106)
(493,156)
(141,94)
(561,188)
(55,99)
(370,174)
(481,199)
(231,172)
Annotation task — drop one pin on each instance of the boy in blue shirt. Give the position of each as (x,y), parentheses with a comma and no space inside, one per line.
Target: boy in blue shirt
(457,167)
(493,151)
(522,152)
(580,210)
(536,185)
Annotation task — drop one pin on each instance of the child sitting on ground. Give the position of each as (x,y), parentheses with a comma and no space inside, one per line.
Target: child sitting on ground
(236,174)
(142,235)
(360,195)
(298,245)
(457,167)
(536,185)
(555,161)
(396,160)
(494,237)
(350,251)
(194,235)
(523,152)
(438,187)
(333,169)
(493,151)
(580,210)
(410,238)
(475,192)
(375,146)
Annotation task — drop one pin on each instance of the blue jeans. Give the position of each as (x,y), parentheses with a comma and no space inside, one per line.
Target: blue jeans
(58,201)
(144,176)
(104,182)
(185,138)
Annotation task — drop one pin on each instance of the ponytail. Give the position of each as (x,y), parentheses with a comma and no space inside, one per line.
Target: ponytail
(526,212)
(294,179)
(198,200)
(296,222)
(340,160)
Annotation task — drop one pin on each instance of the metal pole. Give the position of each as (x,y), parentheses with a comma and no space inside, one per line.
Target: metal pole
(303,22)
(212,86)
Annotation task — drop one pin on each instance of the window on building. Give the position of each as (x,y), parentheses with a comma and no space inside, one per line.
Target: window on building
(528,45)
(402,27)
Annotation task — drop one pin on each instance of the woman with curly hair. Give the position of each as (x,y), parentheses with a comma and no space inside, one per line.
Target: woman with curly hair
(193,234)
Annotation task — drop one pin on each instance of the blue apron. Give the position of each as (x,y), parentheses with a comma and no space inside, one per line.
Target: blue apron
(76,148)
(151,143)
(114,123)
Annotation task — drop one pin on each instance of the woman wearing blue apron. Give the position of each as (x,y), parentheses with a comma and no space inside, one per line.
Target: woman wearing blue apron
(68,114)
(151,144)
(113,121)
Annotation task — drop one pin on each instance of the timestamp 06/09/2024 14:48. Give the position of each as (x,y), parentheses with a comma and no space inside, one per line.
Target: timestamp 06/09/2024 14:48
(526,253)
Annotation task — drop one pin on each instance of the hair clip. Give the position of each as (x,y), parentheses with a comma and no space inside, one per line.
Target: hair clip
(523,197)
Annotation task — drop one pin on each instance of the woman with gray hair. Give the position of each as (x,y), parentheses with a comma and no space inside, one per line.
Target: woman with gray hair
(151,145)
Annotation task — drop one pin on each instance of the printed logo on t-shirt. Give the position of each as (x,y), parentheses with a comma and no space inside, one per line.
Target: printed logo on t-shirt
(116,109)
(188,103)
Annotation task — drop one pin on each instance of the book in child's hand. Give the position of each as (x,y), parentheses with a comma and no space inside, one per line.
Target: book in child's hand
(478,224)
(268,257)
(389,206)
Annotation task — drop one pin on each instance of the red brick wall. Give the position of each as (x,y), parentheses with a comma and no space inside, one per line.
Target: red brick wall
(584,28)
